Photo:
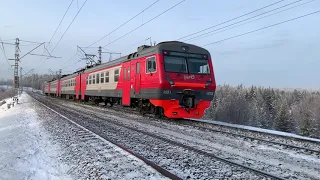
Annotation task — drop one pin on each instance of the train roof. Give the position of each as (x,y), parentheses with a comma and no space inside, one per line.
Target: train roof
(146,50)
(143,50)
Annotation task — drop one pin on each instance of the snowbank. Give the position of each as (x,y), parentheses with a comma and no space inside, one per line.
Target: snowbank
(280,133)
(26,152)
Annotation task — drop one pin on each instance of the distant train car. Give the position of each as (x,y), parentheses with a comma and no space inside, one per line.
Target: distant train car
(67,86)
(45,88)
(171,79)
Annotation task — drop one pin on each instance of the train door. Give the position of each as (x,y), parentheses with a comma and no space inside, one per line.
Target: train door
(126,84)
(137,82)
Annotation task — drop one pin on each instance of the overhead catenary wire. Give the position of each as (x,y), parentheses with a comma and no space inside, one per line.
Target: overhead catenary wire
(124,23)
(230,20)
(266,27)
(211,33)
(69,26)
(63,33)
(116,29)
(245,19)
(61,21)
(30,41)
(142,41)
(4,53)
(145,23)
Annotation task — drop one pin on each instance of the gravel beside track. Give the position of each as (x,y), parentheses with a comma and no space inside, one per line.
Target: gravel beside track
(89,155)
(266,158)
(183,162)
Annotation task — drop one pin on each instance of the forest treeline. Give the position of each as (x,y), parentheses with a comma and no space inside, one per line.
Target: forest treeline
(294,111)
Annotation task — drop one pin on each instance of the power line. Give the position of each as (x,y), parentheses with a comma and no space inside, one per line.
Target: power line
(194,38)
(124,23)
(231,20)
(8,43)
(31,41)
(4,53)
(64,32)
(244,20)
(69,26)
(135,44)
(61,21)
(31,50)
(145,23)
(266,27)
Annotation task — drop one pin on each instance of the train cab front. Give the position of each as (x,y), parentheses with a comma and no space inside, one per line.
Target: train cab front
(188,84)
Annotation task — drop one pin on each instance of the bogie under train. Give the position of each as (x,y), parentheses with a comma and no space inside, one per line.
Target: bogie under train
(171,79)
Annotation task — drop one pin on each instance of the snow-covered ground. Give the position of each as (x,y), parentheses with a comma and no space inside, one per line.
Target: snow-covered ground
(280,133)
(274,159)
(36,143)
(25,151)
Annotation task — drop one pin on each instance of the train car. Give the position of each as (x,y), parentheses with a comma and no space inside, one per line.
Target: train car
(67,86)
(171,79)
(45,88)
(53,88)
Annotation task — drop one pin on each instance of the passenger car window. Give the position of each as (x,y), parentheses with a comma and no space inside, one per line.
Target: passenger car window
(151,65)
(93,79)
(116,75)
(102,77)
(124,74)
(107,76)
(98,78)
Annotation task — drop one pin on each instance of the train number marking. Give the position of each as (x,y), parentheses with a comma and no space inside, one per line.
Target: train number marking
(167,92)
(186,77)
(209,93)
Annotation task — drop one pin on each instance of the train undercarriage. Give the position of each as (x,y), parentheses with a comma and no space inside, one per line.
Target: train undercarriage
(186,105)
(142,105)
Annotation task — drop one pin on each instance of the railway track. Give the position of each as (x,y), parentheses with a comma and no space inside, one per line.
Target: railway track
(87,134)
(190,148)
(258,136)
(304,145)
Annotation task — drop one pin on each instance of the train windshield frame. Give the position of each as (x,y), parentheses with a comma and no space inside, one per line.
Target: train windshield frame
(186,63)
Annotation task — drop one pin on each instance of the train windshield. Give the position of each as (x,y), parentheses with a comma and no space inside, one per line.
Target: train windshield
(198,66)
(175,64)
(190,65)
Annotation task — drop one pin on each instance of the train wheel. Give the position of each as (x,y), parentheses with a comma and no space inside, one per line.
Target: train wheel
(159,112)
(140,106)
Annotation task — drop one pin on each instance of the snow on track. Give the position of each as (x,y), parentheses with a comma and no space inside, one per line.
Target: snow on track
(25,150)
(274,132)
(186,163)
(116,152)
(37,143)
(288,163)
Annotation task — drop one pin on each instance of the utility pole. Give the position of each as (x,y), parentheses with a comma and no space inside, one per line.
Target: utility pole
(99,51)
(21,86)
(16,68)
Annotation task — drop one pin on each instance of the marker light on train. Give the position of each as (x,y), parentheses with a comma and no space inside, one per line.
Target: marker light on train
(165,52)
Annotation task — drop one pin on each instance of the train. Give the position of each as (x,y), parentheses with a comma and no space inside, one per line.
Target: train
(170,79)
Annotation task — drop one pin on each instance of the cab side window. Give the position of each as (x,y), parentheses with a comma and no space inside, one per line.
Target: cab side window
(138,68)
(151,65)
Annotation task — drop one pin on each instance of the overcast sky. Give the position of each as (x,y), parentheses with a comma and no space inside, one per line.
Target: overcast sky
(284,56)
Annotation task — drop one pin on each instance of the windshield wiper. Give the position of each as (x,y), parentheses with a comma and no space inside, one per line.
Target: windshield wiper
(181,68)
